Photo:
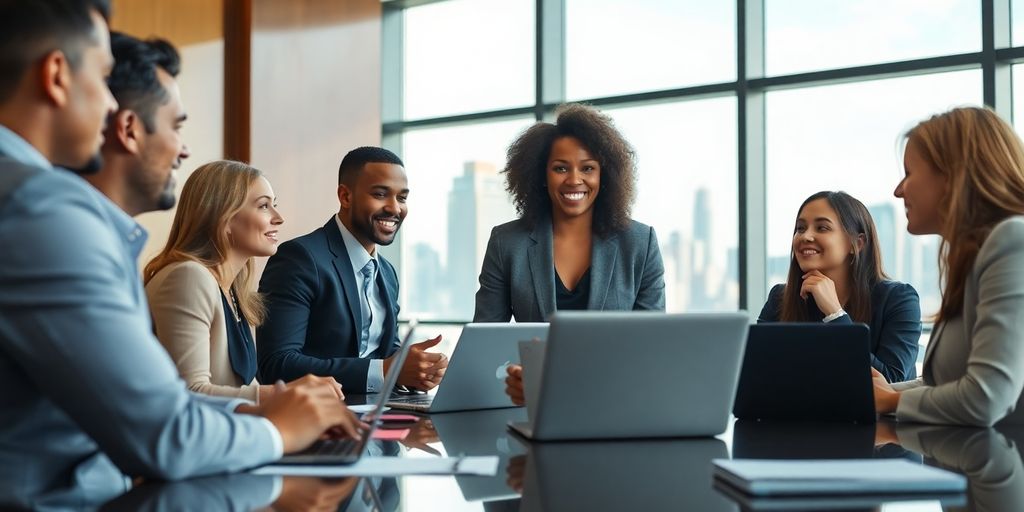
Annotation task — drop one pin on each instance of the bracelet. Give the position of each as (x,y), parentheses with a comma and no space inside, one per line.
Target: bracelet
(833,316)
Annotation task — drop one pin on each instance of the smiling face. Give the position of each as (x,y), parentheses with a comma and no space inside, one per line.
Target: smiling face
(373,204)
(922,189)
(573,178)
(162,151)
(819,241)
(253,229)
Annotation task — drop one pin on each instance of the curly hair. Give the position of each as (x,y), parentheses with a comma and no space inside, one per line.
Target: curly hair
(526,170)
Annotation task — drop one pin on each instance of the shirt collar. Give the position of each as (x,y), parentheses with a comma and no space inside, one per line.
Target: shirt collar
(13,146)
(356,252)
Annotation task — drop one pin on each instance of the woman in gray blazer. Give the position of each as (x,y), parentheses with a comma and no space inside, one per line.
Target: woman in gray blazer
(200,287)
(965,182)
(574,246)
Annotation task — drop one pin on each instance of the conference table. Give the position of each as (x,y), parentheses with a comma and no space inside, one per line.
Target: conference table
(632,475)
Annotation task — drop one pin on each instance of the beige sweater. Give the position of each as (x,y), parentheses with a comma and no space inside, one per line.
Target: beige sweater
(189,320)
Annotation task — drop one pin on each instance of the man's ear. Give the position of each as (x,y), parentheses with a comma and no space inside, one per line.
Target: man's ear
(54,74)
(127,128)
(344,196)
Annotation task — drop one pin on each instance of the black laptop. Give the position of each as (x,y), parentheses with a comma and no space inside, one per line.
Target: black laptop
(806,372)
(348,451)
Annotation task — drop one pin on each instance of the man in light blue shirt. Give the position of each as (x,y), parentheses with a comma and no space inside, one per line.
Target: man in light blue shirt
(87,394)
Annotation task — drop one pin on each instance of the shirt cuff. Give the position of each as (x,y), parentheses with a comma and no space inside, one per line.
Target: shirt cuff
(275,438)
(834,316)
(375,376)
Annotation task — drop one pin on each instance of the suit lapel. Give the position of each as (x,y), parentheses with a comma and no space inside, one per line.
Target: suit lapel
(343,266)
(602,262)
(542,268)
(932,343)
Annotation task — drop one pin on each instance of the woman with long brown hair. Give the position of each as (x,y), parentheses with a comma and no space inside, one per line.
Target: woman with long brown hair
(201,287)
(836,276)
(964,181)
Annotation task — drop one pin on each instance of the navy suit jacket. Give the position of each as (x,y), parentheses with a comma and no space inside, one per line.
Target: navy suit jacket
(895,326)
(313,316)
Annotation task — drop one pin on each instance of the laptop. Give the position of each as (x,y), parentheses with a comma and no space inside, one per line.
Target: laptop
(348,451)
(807,372)
(614,375)
(475,378)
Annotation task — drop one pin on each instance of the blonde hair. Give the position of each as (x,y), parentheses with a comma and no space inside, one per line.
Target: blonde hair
(982,161)
(212,195)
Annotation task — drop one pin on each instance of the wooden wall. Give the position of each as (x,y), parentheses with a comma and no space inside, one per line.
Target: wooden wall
(289,85)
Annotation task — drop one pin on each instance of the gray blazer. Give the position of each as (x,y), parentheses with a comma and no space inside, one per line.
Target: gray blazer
(974,367)
(518,275)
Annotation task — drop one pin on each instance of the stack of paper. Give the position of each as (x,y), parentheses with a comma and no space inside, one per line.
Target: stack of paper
(853,476)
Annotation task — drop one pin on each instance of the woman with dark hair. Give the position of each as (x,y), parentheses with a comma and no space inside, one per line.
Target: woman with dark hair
(836,276)
(574,246)
(964,181)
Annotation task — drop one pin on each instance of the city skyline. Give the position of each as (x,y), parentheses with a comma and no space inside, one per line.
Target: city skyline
(696,278)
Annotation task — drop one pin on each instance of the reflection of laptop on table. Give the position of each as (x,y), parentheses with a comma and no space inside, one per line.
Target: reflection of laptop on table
(348,451)
(652,474)
(807,372)
(613,375)
(475,378)
(475,433)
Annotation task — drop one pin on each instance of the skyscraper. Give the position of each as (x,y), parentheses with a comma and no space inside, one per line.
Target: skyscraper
(476,203)
(884,215)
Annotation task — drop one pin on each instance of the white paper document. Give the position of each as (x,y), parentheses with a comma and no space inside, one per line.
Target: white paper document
(854,476)
(392,466)
(361,408)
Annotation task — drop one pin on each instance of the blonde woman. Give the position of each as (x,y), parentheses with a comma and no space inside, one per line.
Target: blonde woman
(965,182)
(201,286)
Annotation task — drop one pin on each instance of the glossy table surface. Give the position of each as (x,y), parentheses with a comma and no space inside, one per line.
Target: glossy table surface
(671,474)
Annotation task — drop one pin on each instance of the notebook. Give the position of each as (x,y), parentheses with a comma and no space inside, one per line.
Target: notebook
(762,477)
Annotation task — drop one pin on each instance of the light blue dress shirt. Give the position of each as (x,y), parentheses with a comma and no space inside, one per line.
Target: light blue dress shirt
(369,301)
(87,394)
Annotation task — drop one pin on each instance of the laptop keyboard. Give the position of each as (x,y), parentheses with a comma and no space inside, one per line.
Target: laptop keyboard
(412,399)
(331,447)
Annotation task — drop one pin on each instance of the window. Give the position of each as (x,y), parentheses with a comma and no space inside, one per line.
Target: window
(809,35)
(694,41)
(713,147)
(687,192)
(468,55)
(456,196)
(845,137)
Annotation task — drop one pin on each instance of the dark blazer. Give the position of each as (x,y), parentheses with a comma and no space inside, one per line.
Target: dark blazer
(518,275)
(895,326)
(313,316)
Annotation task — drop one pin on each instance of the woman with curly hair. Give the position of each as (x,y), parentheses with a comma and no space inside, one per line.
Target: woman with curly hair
(574,246)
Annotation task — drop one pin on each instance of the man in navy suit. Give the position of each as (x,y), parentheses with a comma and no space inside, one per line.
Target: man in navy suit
(332,300)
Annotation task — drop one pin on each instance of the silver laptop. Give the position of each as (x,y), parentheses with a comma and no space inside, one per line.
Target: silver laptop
(348,451)
(475,378)
(615,375)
